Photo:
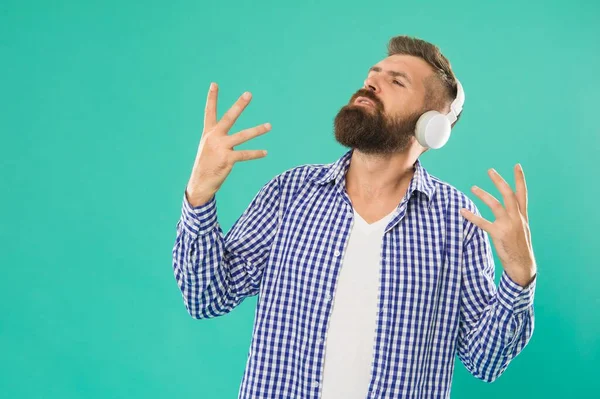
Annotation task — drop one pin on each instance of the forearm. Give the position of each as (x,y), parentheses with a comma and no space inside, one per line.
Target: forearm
(201,275)
(216,272)
(209,278)
(488,343)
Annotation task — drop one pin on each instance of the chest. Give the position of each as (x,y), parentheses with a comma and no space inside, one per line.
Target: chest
(374,209)
(416,270)
(373,212)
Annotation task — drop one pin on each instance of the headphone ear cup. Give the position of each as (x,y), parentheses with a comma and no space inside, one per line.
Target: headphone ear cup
(433,129)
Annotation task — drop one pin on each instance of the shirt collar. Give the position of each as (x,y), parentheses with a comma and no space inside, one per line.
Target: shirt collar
(334,172)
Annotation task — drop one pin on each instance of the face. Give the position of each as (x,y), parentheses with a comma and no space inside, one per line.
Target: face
(396,90)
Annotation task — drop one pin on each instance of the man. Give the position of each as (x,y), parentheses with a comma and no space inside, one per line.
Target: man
(371,274)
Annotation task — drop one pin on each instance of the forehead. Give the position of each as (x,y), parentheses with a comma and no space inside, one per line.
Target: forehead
(416,68)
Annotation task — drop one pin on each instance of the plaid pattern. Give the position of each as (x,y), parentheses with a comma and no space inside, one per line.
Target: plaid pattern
(437,295)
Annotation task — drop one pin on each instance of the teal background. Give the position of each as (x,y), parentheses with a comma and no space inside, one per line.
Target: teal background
(101,110)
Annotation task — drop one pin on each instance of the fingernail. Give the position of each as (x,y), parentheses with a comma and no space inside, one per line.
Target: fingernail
(246,95)
(212,86)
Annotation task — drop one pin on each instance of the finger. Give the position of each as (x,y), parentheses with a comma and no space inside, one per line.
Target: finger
(510,200)
(521,190)
(248,134)
(490,201)
(477,220)
(210,110)
(246,155)
(234,112)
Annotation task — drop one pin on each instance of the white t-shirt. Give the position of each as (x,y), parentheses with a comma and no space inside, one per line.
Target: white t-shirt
(350,337)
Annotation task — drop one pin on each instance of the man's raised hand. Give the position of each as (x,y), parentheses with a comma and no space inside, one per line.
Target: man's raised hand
(215,157)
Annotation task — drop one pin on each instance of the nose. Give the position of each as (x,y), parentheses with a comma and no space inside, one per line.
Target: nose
(370,84)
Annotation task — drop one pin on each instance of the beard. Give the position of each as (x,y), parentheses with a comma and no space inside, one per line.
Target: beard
(368,130)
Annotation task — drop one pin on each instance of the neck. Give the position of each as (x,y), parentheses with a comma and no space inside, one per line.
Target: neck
(379,176)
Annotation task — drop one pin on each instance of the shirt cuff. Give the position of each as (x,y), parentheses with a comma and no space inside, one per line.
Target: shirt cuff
(201,219)
(514,297)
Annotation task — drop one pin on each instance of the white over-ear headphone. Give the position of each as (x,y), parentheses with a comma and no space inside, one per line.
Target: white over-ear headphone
(433,127)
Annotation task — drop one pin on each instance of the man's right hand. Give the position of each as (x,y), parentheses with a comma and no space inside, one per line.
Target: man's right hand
(216,156)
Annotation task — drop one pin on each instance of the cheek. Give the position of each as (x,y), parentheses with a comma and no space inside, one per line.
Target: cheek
(396,115)
(407,109)
(397,108)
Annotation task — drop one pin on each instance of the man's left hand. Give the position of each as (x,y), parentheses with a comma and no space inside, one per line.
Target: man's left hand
(510,231)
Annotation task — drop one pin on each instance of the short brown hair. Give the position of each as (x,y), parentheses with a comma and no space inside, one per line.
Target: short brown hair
(441,86)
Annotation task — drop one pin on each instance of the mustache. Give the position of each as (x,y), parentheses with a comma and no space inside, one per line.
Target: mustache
(367,94)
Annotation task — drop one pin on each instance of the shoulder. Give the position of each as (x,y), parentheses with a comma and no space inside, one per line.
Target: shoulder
(453,200)
(298,176)
(452,196)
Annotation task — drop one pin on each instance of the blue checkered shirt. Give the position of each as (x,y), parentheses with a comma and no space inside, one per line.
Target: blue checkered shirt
(437,296)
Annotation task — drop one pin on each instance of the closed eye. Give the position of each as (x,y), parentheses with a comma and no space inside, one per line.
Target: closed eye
(395,81)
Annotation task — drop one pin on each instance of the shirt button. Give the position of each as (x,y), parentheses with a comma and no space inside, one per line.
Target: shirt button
(315,383)
(319,340)
(336,253)
(209,245)
(349,214)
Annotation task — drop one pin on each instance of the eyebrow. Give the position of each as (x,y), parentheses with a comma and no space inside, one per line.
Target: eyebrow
(392,73)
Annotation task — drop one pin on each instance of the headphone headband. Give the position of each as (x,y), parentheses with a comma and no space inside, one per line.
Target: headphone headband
(457,104)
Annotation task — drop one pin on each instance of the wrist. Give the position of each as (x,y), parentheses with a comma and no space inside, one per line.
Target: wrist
(196,199)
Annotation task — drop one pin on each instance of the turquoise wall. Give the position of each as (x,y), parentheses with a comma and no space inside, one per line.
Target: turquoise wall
(101,111)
